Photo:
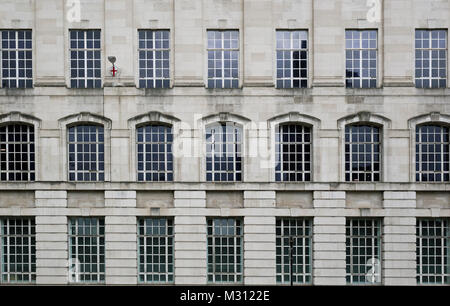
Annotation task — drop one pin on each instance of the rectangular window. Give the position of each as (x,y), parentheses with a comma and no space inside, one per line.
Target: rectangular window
(156,250)
(154,153)
(225,250)
(433,251)
(223,153)
(85,60)
(363,253)
(86,149)
(293,153)
(16,59)
(17,153)
(17,250)
(361,58)
(154,48)
(431,58)
(293,249)
(223,59)
(362,153)
(87,249)
(432,153)
(292,59)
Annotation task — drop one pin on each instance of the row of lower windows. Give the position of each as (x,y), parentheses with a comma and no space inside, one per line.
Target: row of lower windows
(223,58)
(225,247)
(154,159)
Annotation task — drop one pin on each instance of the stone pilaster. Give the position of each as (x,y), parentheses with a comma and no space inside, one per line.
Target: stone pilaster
(51,237)
(190,238)
(120,238)
(399,238)
(329,238)
(259,239)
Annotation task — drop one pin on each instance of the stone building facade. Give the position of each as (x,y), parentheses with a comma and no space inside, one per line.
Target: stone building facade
(397,201)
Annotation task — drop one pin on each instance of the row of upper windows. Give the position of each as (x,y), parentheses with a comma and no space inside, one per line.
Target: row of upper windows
(294,256)
(363,152)
(361,59)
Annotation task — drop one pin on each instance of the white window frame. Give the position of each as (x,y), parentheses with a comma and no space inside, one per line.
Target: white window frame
(153,79)
(361,49)
(21,118)
(368,118)
(298,240)
(73,264)
(154,117)
(430,78)
(85,50)
(234,236)
(79,119)
(169,223)
(16,50)
(202,123)
(294,118)
(372,152)
(425,119)
(31,236)
(222,49)
(444,248)
(291,50)
(376,266)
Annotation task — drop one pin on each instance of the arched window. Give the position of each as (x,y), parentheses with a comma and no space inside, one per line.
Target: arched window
(432,153)
(223,152)
(293,152)
(363,146)
(430,147)
(86,152)
(293,137)
(154,152)
(17,152)
(85,139)
(362,153)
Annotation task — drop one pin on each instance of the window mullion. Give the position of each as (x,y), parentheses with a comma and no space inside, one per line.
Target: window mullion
(16,51)
(430,66)
(153,39)
(85,60)
(28,153)
(372,154)
(7,143)
(8,250)
(97,154)
(419,153)
(222,53)
(420,252)
(291,51)
(303,154)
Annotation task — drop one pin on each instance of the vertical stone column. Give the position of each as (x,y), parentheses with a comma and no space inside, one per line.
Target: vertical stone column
(397,43)
(51,237)
(49,43)
(120,238)
(189,36)
(259,238)
(190,238)
(119,40)
(257,39)
(329,238)
(399,238)
(328,43)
